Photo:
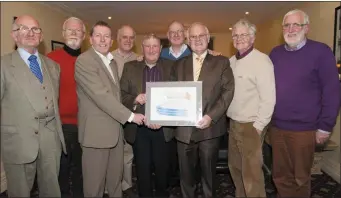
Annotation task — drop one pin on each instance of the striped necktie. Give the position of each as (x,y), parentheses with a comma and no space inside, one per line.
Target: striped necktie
(199,61)
(34,66)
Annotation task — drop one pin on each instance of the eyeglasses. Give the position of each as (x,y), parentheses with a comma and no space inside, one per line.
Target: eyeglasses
(71,31)
(24,29)
(200,37)
(178,32)
(241,36)
(293,25)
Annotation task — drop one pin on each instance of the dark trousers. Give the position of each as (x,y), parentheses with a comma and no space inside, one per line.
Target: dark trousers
(71,164)
(206,152)
(174,164)
(151,151)
(293,156)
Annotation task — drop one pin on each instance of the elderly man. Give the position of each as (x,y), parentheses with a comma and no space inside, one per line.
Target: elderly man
(100,115)
(31,132)
(217,92)
(74,34)
(149,142)
(176,36)
(250,111)
(308,101)
(123,54)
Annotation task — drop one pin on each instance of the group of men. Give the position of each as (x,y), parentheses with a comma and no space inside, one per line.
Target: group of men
(91,106)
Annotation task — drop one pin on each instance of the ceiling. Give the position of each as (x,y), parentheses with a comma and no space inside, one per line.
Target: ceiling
(154,17)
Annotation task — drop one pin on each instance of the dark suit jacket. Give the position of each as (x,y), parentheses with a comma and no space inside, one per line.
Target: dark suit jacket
(131,86)
(217,94)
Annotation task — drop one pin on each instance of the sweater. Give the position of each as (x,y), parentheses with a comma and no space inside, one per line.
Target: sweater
(165,53)
(68,104)
(307,88)
(254,95)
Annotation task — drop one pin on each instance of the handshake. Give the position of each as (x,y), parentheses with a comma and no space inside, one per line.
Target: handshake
(139,119)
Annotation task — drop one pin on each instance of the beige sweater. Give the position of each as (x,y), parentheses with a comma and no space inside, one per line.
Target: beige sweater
(254,97)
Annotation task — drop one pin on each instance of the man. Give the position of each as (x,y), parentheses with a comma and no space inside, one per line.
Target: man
(250,111)
(73,34)
(218,86)
(149,142)
(176,37)
(308,101)
(123,54)
(31,132)
(100,116)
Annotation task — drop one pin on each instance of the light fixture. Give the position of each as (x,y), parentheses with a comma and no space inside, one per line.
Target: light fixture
(230,28)
(109,17)
(247,13)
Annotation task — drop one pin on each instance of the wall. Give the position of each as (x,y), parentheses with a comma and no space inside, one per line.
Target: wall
(51,22)
(321,29)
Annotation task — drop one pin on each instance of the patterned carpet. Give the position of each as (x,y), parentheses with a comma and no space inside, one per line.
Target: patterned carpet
(322,186)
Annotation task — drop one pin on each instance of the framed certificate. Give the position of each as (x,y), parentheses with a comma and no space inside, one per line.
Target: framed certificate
(173,103)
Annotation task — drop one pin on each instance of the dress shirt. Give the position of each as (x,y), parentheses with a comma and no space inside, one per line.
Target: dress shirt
(25,55)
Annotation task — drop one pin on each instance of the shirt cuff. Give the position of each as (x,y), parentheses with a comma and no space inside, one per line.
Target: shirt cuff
(322,131)
(131,117)
(258,126)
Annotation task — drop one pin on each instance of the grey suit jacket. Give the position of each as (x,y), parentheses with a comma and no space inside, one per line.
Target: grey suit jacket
(131,87)
(100,111)
(217,94)
(19,144)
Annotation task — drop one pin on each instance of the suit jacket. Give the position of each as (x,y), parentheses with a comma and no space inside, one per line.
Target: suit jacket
(101,112)
(19,144)
(217,94)
(131,87)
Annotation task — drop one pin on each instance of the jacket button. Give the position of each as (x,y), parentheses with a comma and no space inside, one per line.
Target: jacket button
(36,132)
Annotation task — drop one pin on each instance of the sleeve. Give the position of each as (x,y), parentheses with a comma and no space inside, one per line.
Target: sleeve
(226,95)
(330,87)
(267,94)
(125,83)
(87,78)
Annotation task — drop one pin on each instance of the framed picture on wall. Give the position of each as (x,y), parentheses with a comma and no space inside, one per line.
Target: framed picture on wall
(15,46)
(56,45)
(337,39)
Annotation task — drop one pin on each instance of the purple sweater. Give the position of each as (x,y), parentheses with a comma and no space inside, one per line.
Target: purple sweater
(307,88)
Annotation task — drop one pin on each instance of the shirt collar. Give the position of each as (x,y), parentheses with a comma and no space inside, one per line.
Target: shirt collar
(25,54)
(203,55)
(182,49)
(109,56)
(299,46)
(240,56)
(116,52)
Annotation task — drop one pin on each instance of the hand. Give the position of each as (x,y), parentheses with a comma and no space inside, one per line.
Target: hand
(139,58)
(204,122)
(138,119)
(141,99)
(321,138)
(154,126)
(214,53)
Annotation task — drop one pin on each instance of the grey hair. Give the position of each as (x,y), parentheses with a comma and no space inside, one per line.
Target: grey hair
(119,31)
(244,22)
(150,36)
(305,16)
(198,23)
(76,19)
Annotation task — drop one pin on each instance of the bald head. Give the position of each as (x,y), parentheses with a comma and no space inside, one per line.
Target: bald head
(176,34)
(125,38)
(27,33)
(199,37)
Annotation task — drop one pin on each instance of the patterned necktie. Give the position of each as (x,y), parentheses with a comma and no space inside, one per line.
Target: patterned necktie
(34,66)
(199,61)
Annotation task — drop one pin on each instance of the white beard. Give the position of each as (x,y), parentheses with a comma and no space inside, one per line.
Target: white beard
(73,43)
(294,41)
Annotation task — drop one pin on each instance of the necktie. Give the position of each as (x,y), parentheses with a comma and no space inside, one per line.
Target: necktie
(34,66)
(199,61)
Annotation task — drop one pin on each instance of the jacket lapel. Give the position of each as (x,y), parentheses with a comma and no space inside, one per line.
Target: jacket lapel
(139,76)
(205,69)
(23,75)
(48,77)
(188,69)
(99,60)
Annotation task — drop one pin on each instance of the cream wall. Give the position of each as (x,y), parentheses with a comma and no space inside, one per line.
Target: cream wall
(321,29)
